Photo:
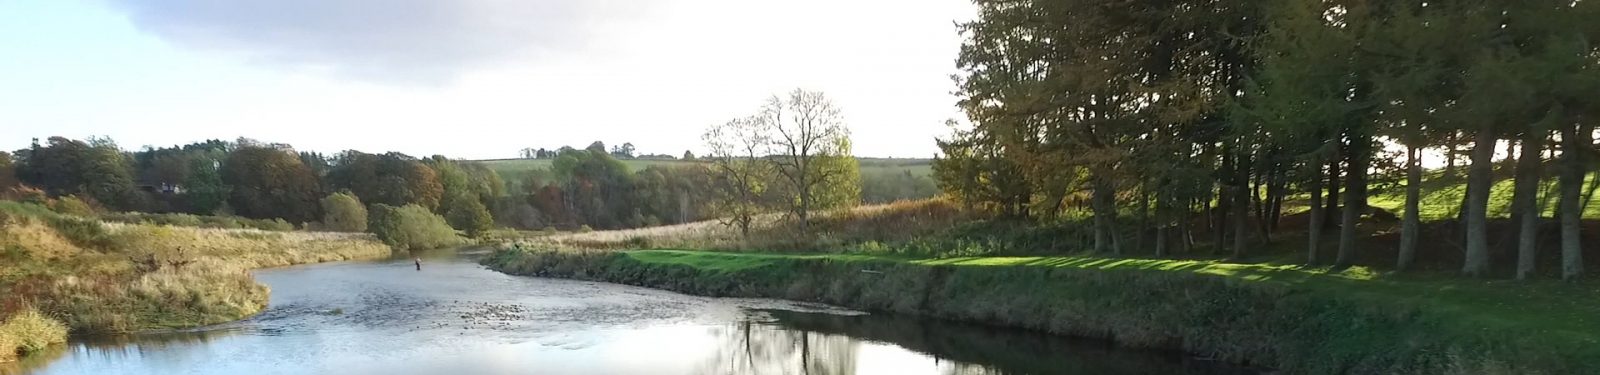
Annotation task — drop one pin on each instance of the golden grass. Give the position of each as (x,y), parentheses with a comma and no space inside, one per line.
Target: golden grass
(134,277)
(28,331)
(775,232)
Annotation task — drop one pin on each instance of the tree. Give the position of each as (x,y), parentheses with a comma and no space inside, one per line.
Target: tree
(411,227)
(978,172)
(453,181)
(343,212)
(625,151)
(318,163)
(271,183)
(96,169)
(8,172)
(484,182)
(740,173)
(470,216)
(688,155)
(204,189)
(808,137)
(671,194)
(885,187)
(393,178)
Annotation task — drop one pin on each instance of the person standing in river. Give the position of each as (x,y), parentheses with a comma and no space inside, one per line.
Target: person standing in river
(419,264)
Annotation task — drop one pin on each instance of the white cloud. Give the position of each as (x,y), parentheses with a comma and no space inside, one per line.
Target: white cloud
(497,76)
(428,41)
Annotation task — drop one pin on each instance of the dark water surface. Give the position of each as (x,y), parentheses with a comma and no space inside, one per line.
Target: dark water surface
(455,317)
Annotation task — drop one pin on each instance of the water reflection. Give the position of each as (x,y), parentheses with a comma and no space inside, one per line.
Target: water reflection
(33,360)
(789,342)
(455,317)
(976,349)
(748,348)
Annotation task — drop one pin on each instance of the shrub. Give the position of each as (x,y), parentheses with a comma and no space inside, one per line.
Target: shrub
(29,331)
(411,227)
(471,216)
(343,212)
(187,220)
(25,194)
(276,225)
(26,209)
(82,232)
(72,205)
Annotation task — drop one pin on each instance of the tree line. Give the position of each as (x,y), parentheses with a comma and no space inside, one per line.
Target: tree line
(586,188)
(1161,116)
(623,151)
(273,181)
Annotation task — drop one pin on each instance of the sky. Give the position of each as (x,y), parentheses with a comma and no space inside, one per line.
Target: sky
(471,79)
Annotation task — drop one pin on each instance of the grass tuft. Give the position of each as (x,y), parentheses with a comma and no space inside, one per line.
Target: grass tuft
(28,331)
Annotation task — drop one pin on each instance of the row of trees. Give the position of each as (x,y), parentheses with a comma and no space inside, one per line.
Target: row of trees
(623,151)
(584,188)
(1178,110)
(250,179)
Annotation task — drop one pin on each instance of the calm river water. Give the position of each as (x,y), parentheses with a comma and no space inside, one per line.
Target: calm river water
(455,317)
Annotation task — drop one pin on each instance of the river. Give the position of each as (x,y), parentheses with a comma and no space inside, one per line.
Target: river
(456,317)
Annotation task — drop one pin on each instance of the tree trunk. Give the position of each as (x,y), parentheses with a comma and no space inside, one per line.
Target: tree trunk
(1477,223)
(1241,226)
(1410,226)
(1331,210)
(1225,201)
(1575,141)
(1355,195)
(1276,190)
(1242,198)
(1450,155)
(1511,154)
(1102,222)
(1163,217)
(1314,228)
(1161,241)
(1263,199)
(1257,200)
(1185,236)
(1144,219)
(1524,201)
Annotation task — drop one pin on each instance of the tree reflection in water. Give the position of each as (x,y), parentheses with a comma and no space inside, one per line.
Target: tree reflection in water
(828,344)
(756,348)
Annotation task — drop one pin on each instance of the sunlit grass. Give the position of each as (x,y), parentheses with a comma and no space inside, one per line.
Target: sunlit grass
(97,277)
(1306,319)
(1566,308)
(773,232)
(28,331)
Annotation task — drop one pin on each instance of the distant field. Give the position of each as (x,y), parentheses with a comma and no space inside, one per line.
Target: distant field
(519,167)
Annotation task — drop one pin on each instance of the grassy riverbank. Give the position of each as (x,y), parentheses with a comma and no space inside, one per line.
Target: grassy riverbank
(94,277)
(1296,319)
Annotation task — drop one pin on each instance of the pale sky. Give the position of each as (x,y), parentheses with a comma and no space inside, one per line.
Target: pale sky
(469,78)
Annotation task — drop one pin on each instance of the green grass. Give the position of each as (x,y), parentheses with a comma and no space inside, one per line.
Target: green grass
(1441,198)
(1299,319)
(1566,307)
